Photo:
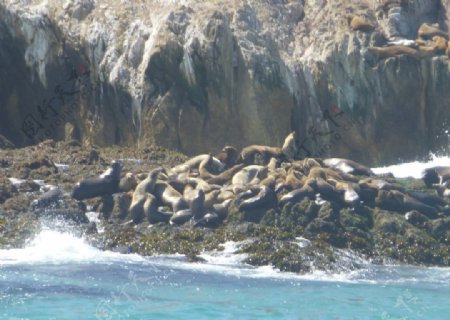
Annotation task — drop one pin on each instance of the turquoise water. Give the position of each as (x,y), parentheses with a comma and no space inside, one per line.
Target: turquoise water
(60,277)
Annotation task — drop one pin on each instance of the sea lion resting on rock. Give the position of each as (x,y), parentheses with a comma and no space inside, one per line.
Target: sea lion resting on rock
(106,183)
(436,176)
(287,151)
(194,162)
(140,194)
(357,23)
(392,51)
(169,196)
(348,166)
(427,31)
(228,156)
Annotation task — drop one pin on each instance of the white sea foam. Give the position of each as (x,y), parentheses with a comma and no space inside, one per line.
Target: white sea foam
(54,247)
(412,169)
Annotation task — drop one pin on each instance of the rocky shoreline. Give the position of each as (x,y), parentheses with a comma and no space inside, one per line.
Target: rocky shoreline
(378,218)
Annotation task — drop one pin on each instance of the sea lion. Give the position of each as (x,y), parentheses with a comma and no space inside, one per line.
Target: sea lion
(264,199)
(358,23)
(169,196)
(426,51)
(436,176)
(394,200)
(289,148)
(209,220)
(228,156)
(348,166)
(225,176)
(106,183)
(306,191)
(428,31)
(428,199)
(211,198)
(392,51)
(137,207)
(145,187)
(440,44)
(181,217)
(248,154)
(151,211)
(128,182)
(197,204)
(194,162)
(221,209)
(248,174)
(48,199)
(106,206)
(350,190)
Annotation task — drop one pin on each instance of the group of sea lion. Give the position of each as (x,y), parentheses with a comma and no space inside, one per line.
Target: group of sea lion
(203,189)
(430,40)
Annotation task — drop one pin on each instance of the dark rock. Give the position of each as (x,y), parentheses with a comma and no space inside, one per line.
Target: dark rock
(106,206)
(91,228)
(439,227)
(73,215)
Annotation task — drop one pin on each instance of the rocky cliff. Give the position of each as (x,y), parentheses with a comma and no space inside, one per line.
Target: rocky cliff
(195,75)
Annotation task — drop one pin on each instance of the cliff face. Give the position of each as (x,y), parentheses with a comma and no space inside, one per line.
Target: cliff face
(195,75)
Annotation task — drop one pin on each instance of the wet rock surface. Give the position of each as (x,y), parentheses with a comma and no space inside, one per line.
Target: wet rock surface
(299,234)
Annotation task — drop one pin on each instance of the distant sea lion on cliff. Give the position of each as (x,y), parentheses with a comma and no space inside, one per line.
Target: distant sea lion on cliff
(106,183)
(428,31)
(392,51)
(358,23)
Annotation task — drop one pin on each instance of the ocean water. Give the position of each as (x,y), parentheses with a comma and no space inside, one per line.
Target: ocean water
(60,276)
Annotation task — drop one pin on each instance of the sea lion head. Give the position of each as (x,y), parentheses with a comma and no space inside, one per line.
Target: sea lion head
(430,177)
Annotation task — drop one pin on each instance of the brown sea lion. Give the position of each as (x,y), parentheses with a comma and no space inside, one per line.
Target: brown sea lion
(306,191)
(392,51)
(150,210)
(197,204)
(136,210)
(426,51)
(428,31)
(264,199)
(127,183)
(225,176)
(440,44)
(248,174)
(358,23)
(169,196)
(228,156)
(194,162)
(289,148)
(248,154)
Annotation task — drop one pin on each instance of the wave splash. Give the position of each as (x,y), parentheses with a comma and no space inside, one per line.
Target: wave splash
(413,169)
(57,247)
